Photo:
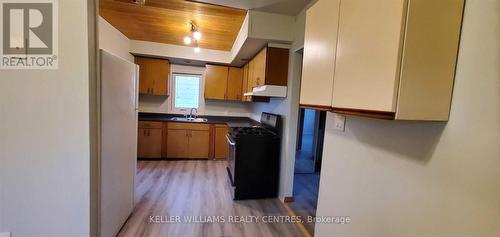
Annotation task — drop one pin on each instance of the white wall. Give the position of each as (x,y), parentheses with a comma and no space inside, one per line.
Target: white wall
(177,51)
(161,104)
(241,38)
(270,26)
(44,138)
(113,41)
(288,108)
(425,178)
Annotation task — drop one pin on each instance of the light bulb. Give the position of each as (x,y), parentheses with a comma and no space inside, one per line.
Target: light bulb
(187,40)
(197,35)
(197,49)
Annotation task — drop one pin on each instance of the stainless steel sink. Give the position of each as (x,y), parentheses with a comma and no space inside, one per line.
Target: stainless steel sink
(184,119)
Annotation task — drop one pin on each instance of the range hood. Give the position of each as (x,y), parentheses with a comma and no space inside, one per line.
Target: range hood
(268,91)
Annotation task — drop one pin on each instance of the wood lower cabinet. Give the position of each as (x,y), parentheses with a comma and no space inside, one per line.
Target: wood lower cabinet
(220,142)
(174,140)
(177,143)
(199,144)
(188,140)
(149,140)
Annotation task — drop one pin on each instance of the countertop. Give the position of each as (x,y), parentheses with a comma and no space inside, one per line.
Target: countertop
(231,121)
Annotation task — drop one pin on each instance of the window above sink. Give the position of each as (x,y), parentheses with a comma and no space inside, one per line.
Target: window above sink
(187,92)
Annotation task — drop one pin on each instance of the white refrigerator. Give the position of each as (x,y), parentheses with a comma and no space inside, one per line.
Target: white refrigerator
(119,107)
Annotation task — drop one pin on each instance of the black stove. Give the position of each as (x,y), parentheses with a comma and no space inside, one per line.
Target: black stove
(237,132)
(254,157)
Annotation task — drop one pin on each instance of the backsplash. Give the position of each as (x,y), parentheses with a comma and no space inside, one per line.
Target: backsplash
(157,104)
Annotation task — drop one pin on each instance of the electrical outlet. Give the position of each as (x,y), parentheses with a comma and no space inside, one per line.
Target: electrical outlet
(5,234)
(339,122)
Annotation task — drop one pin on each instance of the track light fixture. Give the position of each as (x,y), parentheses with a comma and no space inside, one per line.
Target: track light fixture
(140,2)
(194,37)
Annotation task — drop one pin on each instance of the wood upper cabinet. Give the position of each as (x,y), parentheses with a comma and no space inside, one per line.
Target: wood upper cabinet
(234,83)
(153,76)
(245,84)
(319,54)
(216,82)
(269,67)
(251,77)
(220,142)
(187,140)
(149,140)
(394,59)
(223,82)
(259,68)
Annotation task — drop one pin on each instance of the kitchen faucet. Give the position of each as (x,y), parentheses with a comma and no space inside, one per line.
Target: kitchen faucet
(191,113)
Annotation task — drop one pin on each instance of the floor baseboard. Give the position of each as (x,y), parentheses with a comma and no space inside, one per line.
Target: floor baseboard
(288,199)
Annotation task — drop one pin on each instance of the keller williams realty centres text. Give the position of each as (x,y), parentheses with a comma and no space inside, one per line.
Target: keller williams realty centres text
(248,219)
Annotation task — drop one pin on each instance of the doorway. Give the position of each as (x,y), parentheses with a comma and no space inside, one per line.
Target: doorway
(311,131)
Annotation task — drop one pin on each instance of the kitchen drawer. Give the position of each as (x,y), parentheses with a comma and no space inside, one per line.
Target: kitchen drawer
(148,124)
(189,126)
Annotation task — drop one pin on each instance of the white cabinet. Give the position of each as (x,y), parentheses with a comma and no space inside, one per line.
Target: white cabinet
(319,54)
(394,59)
(368,54)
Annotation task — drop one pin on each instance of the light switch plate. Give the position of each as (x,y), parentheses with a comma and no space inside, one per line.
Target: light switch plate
(5,234)
(339,122)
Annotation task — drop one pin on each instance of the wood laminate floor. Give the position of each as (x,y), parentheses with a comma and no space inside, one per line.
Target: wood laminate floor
(305,193)
(188,189)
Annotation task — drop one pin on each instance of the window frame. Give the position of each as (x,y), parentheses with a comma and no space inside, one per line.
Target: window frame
(201,101)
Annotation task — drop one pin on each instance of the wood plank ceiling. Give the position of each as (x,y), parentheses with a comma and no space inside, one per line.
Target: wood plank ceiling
(168,21)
